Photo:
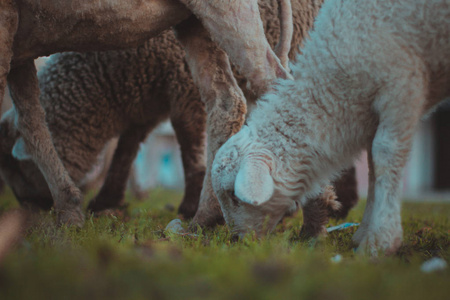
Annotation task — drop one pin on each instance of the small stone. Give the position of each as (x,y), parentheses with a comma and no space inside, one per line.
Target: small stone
(174,226)
(169,207)
(433,265)
(337,258)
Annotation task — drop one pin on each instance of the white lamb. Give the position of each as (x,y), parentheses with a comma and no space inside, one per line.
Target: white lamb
(369,71)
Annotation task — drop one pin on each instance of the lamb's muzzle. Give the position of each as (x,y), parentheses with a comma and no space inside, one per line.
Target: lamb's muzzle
(242,180)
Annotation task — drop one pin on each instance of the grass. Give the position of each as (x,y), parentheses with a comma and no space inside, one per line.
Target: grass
(132,258)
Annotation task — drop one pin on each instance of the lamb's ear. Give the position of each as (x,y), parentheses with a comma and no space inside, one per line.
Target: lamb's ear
(19,150)
(254,184)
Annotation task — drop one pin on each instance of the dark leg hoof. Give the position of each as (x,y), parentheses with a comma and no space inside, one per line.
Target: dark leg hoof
(208,219)
(310,232)
(71,217)
(98,204)
(189,205)
(69,210)
(187,209)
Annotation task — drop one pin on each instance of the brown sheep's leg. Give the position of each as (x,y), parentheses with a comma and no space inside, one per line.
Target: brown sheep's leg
(224,100)
(347,193)
(9,19)
(136,190)
(189,122)
(31,124)
(237,27)
(113,189)
(8,27)
(287,30)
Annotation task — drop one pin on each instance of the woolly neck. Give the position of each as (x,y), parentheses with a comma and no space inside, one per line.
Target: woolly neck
(302,122)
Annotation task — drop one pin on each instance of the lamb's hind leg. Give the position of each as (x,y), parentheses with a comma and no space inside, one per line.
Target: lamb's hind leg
(382,229)
(346,192)
(316,212)
(31,124)
(189,122)
(224,100)
(113,189)
(287,30)
(237,27)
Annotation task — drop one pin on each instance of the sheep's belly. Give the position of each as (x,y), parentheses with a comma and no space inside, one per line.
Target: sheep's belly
(83,25)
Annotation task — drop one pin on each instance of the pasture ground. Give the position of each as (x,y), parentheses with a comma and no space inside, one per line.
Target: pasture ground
(130,257)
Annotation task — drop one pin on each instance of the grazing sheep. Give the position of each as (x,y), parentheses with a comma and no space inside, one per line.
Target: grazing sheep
(31,29)
(136,90)
(367,74)
(36,28)
(90,98)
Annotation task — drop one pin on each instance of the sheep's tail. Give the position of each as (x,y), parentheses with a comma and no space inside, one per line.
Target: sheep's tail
(286,32)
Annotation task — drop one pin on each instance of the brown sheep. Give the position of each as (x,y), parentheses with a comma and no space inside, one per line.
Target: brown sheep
(136,90)
(29,29)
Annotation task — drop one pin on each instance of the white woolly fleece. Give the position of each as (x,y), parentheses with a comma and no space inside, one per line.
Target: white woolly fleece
(369,71)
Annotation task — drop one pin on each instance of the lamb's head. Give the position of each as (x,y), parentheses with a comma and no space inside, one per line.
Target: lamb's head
(250,198)
(18,170)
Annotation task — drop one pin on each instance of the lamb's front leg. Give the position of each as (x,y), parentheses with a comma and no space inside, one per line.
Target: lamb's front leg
(113,189)
(381,227)
(237,27)
(30,122)
(224,100)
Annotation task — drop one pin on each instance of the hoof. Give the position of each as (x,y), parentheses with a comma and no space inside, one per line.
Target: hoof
(98,205)
(375,243)
(95,206)
(359,235)
(69,211)
(309,232)
(71,217)
(118,211)
(187,210)
(208,215)
(100,210)
(206,221)
(192,194)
